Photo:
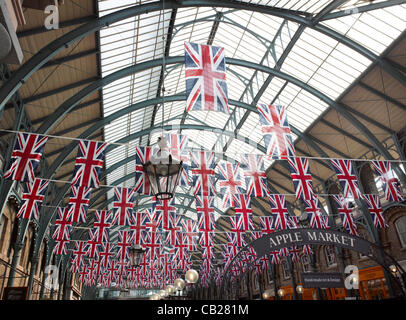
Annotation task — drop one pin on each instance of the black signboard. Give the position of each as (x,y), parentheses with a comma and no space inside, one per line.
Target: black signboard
(15,293)
(322,280)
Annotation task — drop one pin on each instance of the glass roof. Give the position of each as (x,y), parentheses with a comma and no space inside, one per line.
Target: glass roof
(321,62)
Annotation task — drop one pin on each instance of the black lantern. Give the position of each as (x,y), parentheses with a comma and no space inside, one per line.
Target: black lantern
(163,172)
(136,253)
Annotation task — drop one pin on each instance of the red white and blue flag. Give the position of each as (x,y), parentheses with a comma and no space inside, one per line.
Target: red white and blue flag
(375,209)
(390,183)
(106,253)
(89,162)
(178,147)
(123,206)
(78,203)
(190,230)
(142,156)
(266,224)
(205,213)
(314,212)
(33,196)
(254,173)
(346,214)
(26,155)
(79,254)
(125,240)
(346,176)
(203,175)
(279,209)
(242,208)
(238,231)
(276,131)
(102,224)
(230,183)
(302,179)
(205,74)
(63,225)
(165,211)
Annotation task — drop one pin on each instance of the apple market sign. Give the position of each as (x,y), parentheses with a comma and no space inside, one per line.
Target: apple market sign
(302,236)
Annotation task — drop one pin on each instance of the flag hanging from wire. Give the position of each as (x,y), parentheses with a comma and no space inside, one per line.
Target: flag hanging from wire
(123,206)
(78,203)
(230,183)
(347,178)
(390,183)
(33,196)
(375,209)
(203,175)
(242,208)
(302,179)
(89,161)
(205,74)
(276,131)
(314,212)
(345,211)
(26,156)
(142,156)
(254,173)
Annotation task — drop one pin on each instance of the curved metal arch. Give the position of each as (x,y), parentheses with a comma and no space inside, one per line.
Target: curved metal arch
(55,47)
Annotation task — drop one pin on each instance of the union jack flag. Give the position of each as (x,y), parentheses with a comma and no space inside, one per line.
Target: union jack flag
(139,225)
(230,182)
(276,131)
(125,239)
(189,228)
(346,214)
(205,74)
(205,212)
(26,155)
(206,238)
(243,209)
(78,254)
(78,203)
(102,224)
(390,183)
(142,156)
(203,174)
(266,224)
(61,246)
(63,225)
(93,244)
(34,194)
(294,253)
(312,209)
(302,179)
(106,253)
(238,231)
(255,177)
(375,209)
(346,176)
(165,210)
(178,147)
(278,207)
(89,161)
(275,258)
(307,249)
(123,206)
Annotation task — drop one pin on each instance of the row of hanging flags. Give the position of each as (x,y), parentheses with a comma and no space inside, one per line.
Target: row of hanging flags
(160,226)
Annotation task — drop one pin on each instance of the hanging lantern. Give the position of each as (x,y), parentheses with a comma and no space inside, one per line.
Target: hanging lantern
(163,171)
(136,252)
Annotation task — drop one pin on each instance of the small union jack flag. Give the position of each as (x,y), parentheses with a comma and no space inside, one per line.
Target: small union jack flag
(78,254)
(178,147)
(243,209)
(278,208)
(93,244)
(125,240)
(102,224)
(295,253)
(34,194)
(63,225)
(302,179)
(375,209)
(255,177)
(123,206)
(206,238)
(346,176)
(307,249)
(61,246)
(78,203)
(346,214)
(205,74)
(26,155)
(165,210)
(276,131)
(205,212)
(313,210)
(138,226)
(106,253)
(203,175)
(189,228)
(238,231)
(230,183)
(89,162)
(142,156)
(275,258)
(266,224)
(390,183)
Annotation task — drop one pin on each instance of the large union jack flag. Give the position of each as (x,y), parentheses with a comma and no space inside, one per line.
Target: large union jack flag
(138,226)
(203,174)
(346,176)
(25,157)
(255,177)
(61,246)
(243,209)
(102,224)
(276,131)
(165,210)
(205,74)
(123,206)
(89,162)
(34,194)
(78,203)
(302,179)
(142,156)
(230,183)
(343,207)
(375,209)
(390,183)
(63,225)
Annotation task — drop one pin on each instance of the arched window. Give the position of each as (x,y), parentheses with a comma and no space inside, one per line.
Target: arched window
(330,255)
(306,263)
(285,269)
(400,225)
